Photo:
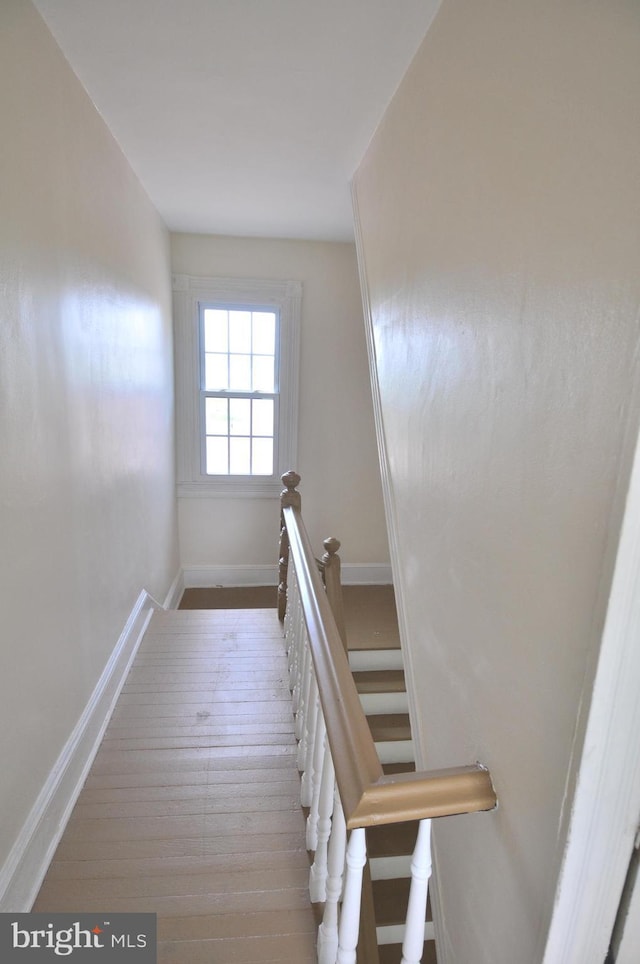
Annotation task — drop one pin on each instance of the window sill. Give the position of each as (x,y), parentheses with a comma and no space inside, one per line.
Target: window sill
(232,488)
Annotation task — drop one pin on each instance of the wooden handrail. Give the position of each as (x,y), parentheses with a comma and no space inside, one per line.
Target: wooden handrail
(354,754)
(368,797)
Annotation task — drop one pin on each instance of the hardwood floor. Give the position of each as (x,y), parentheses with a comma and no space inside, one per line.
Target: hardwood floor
(370,611)
(191,809)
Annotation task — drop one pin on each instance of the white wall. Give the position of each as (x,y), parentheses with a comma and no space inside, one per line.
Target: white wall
(87,499)
(498,207)
(337,456)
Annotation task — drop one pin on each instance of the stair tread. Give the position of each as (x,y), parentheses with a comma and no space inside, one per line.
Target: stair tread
(390,768)
(371,617)
(380,681)
(371,643)
(389,726)
(392,840)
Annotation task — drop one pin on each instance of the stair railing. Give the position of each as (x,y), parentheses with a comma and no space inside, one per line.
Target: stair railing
(343,783)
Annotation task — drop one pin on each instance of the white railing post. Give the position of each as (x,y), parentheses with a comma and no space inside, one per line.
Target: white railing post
(319,869)
(319,751)
(309,775)
(301,710)
(328,930)
(349,928)
(413,944)
(295,674)
(293,632)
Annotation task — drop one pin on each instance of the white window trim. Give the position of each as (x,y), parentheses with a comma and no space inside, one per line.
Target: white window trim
(188,293)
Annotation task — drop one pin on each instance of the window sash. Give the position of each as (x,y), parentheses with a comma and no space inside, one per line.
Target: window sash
(253,434)
(235,337)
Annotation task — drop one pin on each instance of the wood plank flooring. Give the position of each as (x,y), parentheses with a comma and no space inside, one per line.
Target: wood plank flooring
(369,611)
(191,808)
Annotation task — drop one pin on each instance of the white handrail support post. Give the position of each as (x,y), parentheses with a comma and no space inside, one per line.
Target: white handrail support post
(309,775)
(319,753)
(328,930)
(413,944)
(302,725)
(319,869)
(349,929)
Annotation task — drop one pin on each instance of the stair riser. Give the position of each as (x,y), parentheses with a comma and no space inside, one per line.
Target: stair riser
(398,751)
(376,703)
(390,868)
(361,660)
(394,933)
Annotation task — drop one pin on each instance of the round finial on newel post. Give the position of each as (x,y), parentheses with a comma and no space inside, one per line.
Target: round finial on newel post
(331,546)
(289,496)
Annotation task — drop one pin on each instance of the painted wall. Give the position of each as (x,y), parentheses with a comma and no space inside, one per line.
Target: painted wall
(498,208)
(87,500)
(337,456)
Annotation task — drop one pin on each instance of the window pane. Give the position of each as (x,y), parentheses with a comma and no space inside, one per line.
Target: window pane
(240,331)
(216,376)
(240,462)
(240,373)
(217,456)
(215,416)
(263,378)
(263,416)
(240,416)
(264,332)
(215,330)
(262,456)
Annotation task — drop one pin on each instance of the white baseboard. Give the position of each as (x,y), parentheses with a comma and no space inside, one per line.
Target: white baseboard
(366,574)
(176,589)
(25,867)
(207,577)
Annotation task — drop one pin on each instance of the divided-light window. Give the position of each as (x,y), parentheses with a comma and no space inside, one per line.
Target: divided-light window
(237,356)
(240,393)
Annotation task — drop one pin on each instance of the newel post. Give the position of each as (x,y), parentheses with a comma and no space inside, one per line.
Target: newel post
(288,497)
(333,583)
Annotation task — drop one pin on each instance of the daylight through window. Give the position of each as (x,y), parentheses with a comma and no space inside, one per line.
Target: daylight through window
(239,390)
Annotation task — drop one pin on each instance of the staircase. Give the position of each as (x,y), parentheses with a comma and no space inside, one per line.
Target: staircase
(376,663)
(343,752)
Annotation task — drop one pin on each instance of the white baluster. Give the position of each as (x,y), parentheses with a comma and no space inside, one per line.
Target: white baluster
(315,767)
(318,873)
(285,622)
(413,944)
(328,930)
(301,713)
(288,616)
(296,681)
(308,771)
(350,916)
(293,605)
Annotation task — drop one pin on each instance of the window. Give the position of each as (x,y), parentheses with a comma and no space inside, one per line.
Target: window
(236,379)
(239,393)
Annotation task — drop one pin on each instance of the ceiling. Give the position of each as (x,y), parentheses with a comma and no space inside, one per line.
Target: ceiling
(243,117)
